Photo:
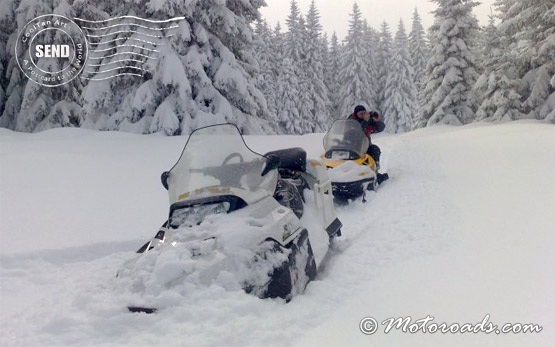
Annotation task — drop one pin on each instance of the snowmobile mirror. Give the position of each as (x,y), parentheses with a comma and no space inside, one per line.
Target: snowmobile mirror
(164,179)
(272,162)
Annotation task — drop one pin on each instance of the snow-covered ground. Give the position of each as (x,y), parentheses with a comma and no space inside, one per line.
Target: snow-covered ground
(465,227)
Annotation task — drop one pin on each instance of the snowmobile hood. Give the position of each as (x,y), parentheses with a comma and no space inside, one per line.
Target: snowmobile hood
(216,162)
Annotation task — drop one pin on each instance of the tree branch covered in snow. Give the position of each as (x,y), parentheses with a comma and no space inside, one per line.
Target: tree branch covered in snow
(223,63)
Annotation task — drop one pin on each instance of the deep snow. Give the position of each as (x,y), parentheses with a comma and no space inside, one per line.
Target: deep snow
(463,228)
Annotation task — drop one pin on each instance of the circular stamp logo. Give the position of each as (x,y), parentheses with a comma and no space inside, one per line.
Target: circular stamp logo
(51,50)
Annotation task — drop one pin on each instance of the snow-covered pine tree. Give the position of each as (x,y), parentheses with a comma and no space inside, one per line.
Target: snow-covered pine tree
(332,67)
(384,52)
(202,74)
(305,104)
(287,85)
(127,102)
(499,89)
(418,50)
(266,78)
(496,99)
(314,57)
(400,91)
(354,76)
(371,41)
(326,61)
(292,80)
(450,71)
(531,26)
(293,36)
(10,74)
(42,107)
(288,116)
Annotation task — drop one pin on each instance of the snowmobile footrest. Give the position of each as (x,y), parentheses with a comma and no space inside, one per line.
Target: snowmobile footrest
(382,177)
(334,229)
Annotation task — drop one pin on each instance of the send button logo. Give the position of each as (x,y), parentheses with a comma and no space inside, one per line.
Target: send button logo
(51,50)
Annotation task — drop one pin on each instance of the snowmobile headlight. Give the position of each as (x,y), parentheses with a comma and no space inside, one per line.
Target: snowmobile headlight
(194,215)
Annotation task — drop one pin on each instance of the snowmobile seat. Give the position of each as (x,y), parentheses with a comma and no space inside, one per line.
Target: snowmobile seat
(293,159)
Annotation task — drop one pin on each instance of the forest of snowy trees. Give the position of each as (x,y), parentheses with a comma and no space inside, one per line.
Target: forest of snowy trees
(224,63)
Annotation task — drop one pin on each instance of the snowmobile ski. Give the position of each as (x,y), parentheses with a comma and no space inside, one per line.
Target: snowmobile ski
(138,309)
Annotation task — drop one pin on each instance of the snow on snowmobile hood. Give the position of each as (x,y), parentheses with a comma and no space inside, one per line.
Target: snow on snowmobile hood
(216,162)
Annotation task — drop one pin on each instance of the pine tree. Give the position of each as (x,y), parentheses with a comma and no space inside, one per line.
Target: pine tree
(418,50)
(496,99)
(518,77)
(306,103)
(288,112)
(354,76)
(266,78)
(10,74)
(203,73)
(42,107)
(371,40)
(331,79)
(509,91)
(532,25)
(293,94)
(400,90)
(326,61)
(286,85)
(450,72)
(384,52)
(314,57)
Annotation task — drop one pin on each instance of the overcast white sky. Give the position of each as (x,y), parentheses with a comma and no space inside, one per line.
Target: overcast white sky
(334,14)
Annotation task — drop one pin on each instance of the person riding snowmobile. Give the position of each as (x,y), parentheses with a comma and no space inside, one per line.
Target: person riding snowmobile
(370,123)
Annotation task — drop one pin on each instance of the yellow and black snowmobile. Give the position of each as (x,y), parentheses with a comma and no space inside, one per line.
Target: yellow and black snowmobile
(351,170)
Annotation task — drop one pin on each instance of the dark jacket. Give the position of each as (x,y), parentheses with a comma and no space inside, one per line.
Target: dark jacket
(369,127)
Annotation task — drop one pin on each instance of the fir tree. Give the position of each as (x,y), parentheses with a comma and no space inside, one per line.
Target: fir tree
(400,90)
(266,78)
(518,76)
(293,85)
(294,34)
(202,75)
(314,56)
(532,25)
(354,76)
(496,99)
(11,78)
(305,102)
(287,85)
(450,71)
(331,79)
(384,53)
(418,50)
(42,107)
(371,39)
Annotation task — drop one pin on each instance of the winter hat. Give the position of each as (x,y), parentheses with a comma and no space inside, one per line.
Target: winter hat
(359,108)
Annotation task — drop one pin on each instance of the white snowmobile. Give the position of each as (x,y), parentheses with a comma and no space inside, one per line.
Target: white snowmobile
(262,222)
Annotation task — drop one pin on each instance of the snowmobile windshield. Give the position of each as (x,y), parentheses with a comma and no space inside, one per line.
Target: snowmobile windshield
(217,162)
(347,136)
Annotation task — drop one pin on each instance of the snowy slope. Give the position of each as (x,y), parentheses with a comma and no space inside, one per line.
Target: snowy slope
(464,228)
